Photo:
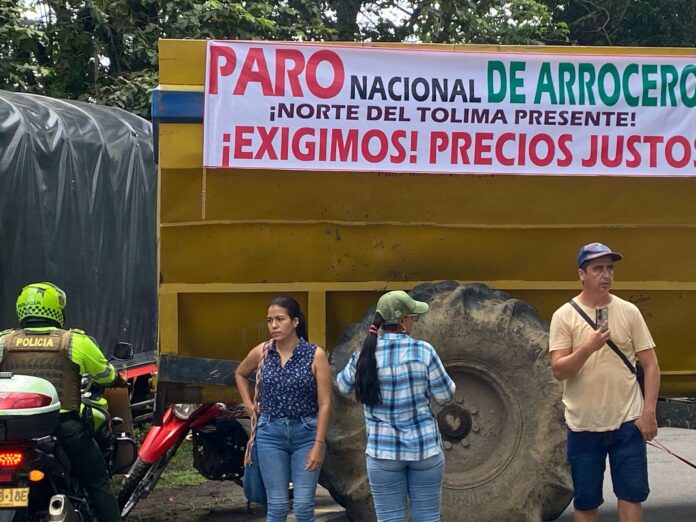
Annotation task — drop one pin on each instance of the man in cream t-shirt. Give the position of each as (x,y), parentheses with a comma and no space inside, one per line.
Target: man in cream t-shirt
(605,411)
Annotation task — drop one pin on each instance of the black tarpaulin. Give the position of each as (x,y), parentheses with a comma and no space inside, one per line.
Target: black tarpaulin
(78,196)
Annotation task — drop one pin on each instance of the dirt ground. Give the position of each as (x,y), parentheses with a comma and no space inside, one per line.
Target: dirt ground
(208,501)
(217,501)
(201,500)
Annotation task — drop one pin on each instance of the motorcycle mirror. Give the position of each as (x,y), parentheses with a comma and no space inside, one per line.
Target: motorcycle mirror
(123,351)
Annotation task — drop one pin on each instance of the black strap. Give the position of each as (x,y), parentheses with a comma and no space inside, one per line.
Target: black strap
(611,344)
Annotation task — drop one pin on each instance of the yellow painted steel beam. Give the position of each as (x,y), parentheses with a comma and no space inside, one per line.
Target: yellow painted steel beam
(224,321)
(181,87)
(316,309)
(376,286)
(502,226)
(670,388)
(169,322)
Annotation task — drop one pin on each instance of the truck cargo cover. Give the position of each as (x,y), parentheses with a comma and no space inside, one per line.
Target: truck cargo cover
(78,193)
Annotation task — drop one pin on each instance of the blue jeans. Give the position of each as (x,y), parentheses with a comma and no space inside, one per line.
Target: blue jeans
(283,446)
(392,480)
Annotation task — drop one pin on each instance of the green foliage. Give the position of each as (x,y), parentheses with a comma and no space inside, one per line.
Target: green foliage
(527,22)
(650,23)
(105,51)
(180,471)
(19,40)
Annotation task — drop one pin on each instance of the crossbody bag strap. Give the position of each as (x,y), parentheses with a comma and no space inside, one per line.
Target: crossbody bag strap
(611,343)
(655,444)
(255,413)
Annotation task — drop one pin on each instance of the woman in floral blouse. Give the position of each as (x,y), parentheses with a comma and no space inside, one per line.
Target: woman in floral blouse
(293,410)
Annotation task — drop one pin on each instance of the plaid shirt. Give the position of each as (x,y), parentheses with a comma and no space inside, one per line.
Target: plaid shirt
(410,374)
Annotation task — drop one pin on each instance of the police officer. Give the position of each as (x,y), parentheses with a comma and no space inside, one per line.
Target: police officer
(42,348)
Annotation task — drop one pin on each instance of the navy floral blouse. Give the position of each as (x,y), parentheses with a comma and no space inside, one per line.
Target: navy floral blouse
(289,391)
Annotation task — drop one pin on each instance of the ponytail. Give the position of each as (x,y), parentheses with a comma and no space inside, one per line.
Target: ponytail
(301,329)
(366,377)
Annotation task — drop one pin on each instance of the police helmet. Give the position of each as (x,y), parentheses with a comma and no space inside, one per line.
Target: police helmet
(41,301)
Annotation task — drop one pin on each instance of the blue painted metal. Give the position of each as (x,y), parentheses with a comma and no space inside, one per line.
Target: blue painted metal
(177,106)
(174,107)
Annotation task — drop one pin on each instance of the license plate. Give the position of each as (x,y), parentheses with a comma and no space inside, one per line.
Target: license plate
(14,497)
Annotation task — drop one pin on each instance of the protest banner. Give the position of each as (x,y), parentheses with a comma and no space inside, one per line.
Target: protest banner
(340,108)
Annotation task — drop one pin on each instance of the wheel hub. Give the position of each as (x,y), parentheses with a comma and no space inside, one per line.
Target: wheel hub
(482,429)
(455,422)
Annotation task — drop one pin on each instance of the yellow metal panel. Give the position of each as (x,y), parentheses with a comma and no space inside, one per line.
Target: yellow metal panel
(180,191)
(182,62)
(456,200)
(180,146)
(225,326)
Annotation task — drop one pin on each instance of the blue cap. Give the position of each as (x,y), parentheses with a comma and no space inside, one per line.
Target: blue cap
(595,250)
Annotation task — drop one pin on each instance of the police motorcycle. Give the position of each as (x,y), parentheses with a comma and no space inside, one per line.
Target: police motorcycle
(35,474)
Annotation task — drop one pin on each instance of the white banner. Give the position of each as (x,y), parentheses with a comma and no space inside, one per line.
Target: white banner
(322,107)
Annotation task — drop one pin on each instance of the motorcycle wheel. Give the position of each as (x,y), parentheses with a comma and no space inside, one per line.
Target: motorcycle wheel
(140,480)
(13,515)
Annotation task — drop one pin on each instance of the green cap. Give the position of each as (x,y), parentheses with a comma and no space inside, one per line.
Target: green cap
(394,305)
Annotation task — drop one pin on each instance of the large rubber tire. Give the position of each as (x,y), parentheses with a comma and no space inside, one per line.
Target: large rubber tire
(504,435)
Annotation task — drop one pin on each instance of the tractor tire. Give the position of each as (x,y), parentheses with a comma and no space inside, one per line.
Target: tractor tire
(503,435)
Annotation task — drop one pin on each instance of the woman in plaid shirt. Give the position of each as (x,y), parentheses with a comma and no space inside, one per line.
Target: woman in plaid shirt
(395,376)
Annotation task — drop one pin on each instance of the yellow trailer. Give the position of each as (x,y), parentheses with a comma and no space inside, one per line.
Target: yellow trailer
(230,240)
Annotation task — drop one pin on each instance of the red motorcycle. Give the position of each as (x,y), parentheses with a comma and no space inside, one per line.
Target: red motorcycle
(219,442)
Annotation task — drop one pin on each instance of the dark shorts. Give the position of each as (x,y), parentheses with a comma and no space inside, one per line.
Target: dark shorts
(628,461)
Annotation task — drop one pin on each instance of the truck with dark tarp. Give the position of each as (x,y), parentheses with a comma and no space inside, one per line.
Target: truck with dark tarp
(78,208)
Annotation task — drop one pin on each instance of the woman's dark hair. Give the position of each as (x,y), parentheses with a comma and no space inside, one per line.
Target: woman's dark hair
(293,308)
(366,378)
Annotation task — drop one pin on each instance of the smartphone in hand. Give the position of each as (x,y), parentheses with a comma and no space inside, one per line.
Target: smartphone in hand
(602,319)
